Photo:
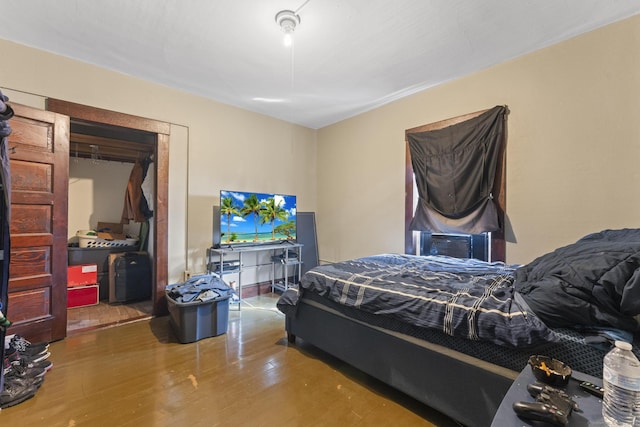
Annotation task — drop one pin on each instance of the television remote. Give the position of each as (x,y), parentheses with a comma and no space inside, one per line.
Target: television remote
(592,388)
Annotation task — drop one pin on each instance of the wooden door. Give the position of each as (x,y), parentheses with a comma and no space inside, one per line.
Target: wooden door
(39,158)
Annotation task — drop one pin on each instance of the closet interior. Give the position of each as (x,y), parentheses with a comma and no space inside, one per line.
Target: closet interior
(110,250)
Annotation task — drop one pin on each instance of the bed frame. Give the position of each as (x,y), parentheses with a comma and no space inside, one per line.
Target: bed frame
(462,387)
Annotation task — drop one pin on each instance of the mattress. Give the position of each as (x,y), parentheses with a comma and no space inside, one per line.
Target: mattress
(571,348)
(473,307)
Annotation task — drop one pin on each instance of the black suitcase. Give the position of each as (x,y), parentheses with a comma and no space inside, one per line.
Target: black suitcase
(129,277)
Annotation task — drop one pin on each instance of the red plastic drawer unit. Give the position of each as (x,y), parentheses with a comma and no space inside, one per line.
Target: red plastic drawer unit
(80,275)
(81,296)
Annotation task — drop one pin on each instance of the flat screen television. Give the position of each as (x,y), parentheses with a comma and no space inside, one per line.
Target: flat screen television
(251,218)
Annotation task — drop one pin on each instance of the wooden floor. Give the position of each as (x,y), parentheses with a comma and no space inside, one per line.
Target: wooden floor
(81,319)
(138,374)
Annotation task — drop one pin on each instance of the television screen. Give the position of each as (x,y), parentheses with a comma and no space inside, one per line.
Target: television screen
(254,218)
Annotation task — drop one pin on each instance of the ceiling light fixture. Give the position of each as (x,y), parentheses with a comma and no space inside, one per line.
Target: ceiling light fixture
(287,20)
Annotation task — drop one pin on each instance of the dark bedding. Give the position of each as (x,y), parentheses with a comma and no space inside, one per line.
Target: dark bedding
(582,352)
(464,298)
(418,322)
(593,282)
(589,285)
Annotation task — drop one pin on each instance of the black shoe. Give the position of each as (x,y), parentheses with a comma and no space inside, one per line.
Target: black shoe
(43,364)
(25,347)
(22,370)
(15,357)
(16,392)
(12,357)
(36,381)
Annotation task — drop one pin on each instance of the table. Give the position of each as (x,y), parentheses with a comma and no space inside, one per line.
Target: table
(237,264)
(590,405)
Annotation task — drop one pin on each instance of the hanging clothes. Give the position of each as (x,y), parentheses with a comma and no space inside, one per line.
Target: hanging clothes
(133,196)
(6,112)
(148,187)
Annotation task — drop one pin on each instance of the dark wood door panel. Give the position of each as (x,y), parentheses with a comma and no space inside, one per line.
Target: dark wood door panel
(31,219)
(31,197)
(30,305)
(38,258)
(32,135)
(43,157)
(37,330)
(30,262)
(31,176)
(31,282)
(28,240)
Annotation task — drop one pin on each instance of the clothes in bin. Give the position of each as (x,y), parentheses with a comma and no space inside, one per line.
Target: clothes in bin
(199,308)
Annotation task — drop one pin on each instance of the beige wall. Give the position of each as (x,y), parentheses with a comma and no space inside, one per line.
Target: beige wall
(573,153)
(212,147)
(96,194)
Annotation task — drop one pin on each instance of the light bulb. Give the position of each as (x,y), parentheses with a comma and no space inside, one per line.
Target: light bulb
(288,39)
(287,20)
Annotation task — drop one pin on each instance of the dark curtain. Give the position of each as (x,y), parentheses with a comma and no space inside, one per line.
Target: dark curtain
(455,170)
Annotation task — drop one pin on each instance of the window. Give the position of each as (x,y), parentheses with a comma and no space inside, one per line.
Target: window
(415,243)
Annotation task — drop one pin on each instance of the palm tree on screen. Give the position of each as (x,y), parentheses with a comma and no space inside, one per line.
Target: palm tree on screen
(287,229)
(270,212)
(228,208)
(252,206)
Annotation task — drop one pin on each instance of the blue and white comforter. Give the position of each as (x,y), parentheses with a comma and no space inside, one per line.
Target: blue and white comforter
(465,298)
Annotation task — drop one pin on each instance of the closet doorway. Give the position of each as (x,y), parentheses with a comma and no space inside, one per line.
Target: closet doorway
(108,137)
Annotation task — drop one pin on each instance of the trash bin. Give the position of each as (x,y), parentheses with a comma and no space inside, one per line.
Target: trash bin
(198,308)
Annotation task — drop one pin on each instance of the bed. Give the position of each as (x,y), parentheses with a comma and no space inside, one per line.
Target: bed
(455,333)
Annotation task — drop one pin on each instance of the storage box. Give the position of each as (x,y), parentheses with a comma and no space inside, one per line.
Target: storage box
(99,256)
(91,239)
(84,274)
(82,296)
(110,231)
(194,321)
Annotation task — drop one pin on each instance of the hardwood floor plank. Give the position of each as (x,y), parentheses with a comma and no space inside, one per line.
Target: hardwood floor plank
(82,319)
(138,374)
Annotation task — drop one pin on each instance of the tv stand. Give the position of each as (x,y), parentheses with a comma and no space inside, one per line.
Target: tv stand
(279,253)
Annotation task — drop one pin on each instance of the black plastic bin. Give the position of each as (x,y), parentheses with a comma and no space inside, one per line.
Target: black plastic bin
(195,320)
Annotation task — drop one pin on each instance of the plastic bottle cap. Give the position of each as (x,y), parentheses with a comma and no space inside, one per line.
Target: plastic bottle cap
(624,345)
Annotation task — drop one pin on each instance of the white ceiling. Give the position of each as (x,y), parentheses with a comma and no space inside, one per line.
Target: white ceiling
(349,56)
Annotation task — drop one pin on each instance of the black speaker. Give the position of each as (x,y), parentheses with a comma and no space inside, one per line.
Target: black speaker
(306,234)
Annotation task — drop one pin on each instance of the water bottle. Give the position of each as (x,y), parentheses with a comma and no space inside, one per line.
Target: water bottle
(621,380)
